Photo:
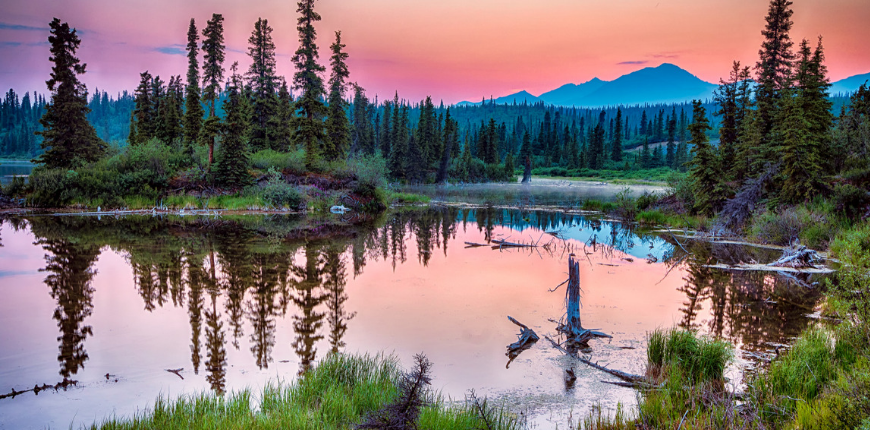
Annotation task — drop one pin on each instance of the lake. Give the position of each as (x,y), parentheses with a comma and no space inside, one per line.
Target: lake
(11,168)
(135,307)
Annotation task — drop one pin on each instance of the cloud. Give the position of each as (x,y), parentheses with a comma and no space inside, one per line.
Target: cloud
(671,55)
(175,49)
(632,63)
(17,44)
(17,27)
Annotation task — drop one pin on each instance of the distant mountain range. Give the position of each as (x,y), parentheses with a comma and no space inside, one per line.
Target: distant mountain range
(666,83)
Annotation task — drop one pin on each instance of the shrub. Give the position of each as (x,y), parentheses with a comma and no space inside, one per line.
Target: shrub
(646,200)
(851,200)
(680,185)
(281,194)
(811,227)
(626,208)
(369,170)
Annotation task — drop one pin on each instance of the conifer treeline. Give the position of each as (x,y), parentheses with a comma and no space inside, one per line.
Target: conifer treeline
(778,124)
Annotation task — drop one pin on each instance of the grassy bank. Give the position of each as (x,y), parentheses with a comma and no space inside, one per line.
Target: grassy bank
(821,382)
(341,392)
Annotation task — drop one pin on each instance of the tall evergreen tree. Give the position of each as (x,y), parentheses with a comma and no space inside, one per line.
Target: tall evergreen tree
(234,162)
(804,121)
(704,167)
(67,137)
(449,139)
(212,75)
(143,123)
(285,118)
(773,69)
(671,154)
(361,132)
(310,128)
(192,105)
(616,148)
(337,125)
(263,82)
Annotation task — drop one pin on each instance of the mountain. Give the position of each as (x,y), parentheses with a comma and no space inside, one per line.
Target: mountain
(663,84)
(519,98)
(849,85)
(666,83)
(567,94)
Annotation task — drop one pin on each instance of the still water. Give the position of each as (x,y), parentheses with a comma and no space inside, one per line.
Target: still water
(12,168)
(229,303)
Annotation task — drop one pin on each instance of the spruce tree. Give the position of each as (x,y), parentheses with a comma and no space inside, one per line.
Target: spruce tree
(704,168)
(212,76)
(286,114)
(337,125)
(616,154)
(310,128)
(361,130)
(645,155)
(804,123)
(263,83)
(671,154)
(449,139)
(234,161)
(526,157)
(143,125)
(192,105)
(773,69)
(69,140)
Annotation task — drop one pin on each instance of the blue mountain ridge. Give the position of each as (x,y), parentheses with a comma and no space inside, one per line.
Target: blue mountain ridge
(666,83)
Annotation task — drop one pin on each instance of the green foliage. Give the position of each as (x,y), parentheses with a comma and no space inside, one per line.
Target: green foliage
(233,162)
(704,168)
(653,217)
(697,359)
(851,201)
(293,161)
(369,169)
(814,227)
(280,194)
(680,185)
(310,131)
(337,124)
(143,170)
(69,140)
(626,208)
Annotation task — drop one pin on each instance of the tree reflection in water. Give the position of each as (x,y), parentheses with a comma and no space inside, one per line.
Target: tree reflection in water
(253,271)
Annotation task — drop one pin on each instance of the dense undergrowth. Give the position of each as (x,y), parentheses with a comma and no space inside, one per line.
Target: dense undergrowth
(155,174)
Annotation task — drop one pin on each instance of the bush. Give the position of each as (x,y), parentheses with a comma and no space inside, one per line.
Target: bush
(646,200)
(369,170)
(680,185)
(281,194)
(850,200)
(813,228)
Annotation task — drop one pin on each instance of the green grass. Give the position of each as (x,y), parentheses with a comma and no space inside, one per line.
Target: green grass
(336,394)
(700,359)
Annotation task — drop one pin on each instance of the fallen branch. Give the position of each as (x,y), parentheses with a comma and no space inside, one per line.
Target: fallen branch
(36,388)
(635,380)
(474,245)
(526,339)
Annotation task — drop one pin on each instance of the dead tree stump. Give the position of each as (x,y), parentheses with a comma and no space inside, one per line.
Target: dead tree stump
(572,328)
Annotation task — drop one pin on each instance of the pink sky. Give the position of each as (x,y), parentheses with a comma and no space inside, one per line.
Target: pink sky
(453,50)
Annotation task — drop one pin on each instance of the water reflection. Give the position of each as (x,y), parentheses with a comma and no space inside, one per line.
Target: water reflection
(265,275)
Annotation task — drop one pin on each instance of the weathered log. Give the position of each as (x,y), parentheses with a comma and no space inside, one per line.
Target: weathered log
(474,244)
(526,339)
(798,257)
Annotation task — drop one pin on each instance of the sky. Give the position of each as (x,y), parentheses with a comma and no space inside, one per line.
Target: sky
(453,50)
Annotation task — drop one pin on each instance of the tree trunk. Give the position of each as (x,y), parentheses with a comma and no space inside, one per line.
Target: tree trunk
(572,319)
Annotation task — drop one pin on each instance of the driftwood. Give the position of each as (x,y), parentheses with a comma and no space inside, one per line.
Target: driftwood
(177,372)
(506,244)
(36,388)
(768,268)
(526,339)
(798,257)
(474,244)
